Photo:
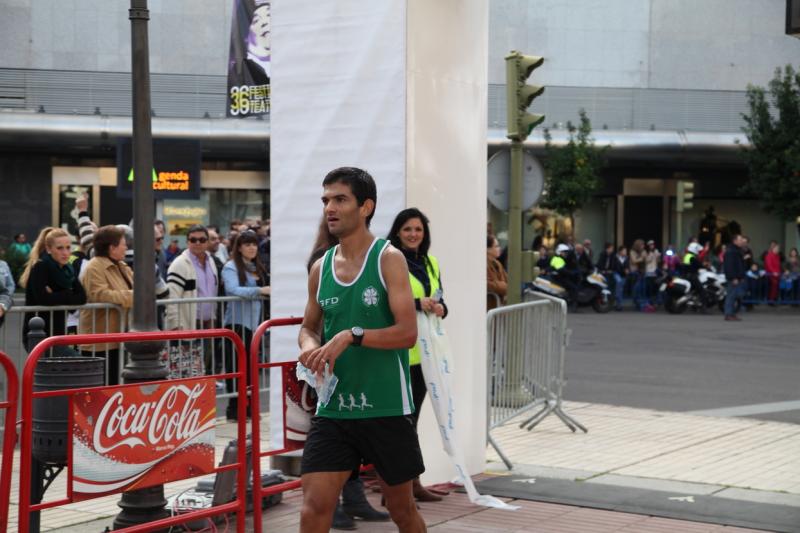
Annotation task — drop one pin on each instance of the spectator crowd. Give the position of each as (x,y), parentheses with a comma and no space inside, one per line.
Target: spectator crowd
(99,270)
(234,261)
(633,272)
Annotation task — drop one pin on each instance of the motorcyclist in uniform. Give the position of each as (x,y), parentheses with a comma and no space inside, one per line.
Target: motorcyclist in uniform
(691,265)
(566,276)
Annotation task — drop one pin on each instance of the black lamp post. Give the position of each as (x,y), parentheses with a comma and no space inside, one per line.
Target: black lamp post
(143,505)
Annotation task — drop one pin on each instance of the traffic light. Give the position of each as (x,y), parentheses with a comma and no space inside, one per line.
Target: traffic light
(685,196)
(519,95)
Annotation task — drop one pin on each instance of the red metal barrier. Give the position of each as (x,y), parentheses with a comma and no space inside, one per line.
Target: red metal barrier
(9,437)
(259,493)
(25,507)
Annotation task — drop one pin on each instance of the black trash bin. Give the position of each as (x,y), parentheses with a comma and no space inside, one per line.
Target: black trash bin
(50,415)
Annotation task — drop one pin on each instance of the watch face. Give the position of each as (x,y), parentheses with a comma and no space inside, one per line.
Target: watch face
(357,331)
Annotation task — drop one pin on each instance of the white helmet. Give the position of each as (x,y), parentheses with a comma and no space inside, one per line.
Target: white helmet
(695,248)
(562,248)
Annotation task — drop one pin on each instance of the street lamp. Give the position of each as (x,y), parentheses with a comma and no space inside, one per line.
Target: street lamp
(143,505)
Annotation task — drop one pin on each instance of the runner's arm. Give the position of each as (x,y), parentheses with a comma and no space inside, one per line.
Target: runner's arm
(403,334)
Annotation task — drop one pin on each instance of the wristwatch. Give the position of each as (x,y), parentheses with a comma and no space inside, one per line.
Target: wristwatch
(358,335)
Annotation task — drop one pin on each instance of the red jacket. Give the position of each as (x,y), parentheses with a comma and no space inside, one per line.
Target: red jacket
(772,263)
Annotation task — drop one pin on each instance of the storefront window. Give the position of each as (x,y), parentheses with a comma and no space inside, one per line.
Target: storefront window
(180,215)
(226,205)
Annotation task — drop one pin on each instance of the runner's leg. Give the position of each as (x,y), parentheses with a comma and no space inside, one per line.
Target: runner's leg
(320,495)
(400,502)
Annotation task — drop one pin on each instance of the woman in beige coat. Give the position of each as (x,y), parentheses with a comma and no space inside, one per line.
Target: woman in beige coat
(107,279)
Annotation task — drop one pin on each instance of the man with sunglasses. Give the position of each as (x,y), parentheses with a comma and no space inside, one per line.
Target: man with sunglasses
(192,274)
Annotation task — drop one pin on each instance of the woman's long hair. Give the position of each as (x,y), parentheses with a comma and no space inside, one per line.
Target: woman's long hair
(404,216)
(47,237)
(247,237)
(324,241)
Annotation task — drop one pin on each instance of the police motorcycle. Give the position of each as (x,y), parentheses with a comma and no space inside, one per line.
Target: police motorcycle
(678,295)
(593,289)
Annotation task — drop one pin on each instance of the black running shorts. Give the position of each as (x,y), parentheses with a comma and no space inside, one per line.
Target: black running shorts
(390,444)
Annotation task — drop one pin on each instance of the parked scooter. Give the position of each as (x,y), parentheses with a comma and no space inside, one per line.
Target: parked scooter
(678,295)
(593,291)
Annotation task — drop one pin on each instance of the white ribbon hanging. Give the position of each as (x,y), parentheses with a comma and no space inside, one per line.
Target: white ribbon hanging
(437,369)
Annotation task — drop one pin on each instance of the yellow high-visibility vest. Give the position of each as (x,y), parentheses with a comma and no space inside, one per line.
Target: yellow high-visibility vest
(418,290)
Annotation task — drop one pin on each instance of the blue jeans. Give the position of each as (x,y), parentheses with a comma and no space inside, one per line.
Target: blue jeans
(619,288)
(639,291)
(734,293)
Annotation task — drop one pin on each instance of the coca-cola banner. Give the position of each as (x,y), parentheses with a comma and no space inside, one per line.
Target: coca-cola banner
(126,438)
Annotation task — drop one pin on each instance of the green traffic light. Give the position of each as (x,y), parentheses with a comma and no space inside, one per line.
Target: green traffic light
(685,196)
(519,95)
(527,64)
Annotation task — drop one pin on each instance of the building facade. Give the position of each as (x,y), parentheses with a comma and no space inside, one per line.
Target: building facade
(662,81)
(65,107)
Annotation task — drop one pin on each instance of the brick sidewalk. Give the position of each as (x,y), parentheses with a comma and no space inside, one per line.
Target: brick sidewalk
(455,514)
(730,455)
(736,458)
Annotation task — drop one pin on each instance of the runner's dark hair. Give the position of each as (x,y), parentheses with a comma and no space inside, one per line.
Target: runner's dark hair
(360,182)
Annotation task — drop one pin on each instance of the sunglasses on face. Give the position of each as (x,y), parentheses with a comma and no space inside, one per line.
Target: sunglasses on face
(159,239)
(201,240)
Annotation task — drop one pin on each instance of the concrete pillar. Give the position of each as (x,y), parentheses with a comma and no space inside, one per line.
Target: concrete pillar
(446,81)
(399,88)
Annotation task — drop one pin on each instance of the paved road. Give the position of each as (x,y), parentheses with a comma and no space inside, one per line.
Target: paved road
(688,362)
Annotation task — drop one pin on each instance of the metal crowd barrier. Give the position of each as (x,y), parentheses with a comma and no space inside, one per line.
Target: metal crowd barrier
(184,358)
(9,405)
(11,341)
(526,345)
(259,493)
(194,358)
(27,508)
(758,292)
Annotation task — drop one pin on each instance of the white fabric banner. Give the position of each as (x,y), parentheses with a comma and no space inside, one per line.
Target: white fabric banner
(437,367)
(338,99)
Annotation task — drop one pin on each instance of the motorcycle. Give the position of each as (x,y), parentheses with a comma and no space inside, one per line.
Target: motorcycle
(678,295)
(593,291)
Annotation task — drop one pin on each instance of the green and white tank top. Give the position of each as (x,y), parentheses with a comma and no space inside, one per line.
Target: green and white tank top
(372,383)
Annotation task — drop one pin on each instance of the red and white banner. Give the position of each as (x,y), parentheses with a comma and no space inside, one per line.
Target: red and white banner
(126,438)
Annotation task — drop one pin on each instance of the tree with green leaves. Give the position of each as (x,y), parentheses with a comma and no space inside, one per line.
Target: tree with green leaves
(572,171)
(773,157)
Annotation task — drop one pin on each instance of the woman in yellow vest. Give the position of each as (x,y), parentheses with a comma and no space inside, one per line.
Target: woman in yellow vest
(410,234)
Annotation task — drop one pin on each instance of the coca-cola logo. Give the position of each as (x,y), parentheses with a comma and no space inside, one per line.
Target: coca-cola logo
(171,418)
(141,436)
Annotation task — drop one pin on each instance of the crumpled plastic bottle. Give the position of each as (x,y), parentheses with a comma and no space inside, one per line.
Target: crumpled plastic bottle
(324,384)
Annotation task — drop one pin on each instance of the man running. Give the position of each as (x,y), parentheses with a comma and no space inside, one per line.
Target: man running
(360,302)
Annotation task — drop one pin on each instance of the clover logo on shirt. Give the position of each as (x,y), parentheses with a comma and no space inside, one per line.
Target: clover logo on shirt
(370,296)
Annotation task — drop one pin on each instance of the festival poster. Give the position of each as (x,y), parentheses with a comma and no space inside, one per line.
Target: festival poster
(249,59)
(126,438)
